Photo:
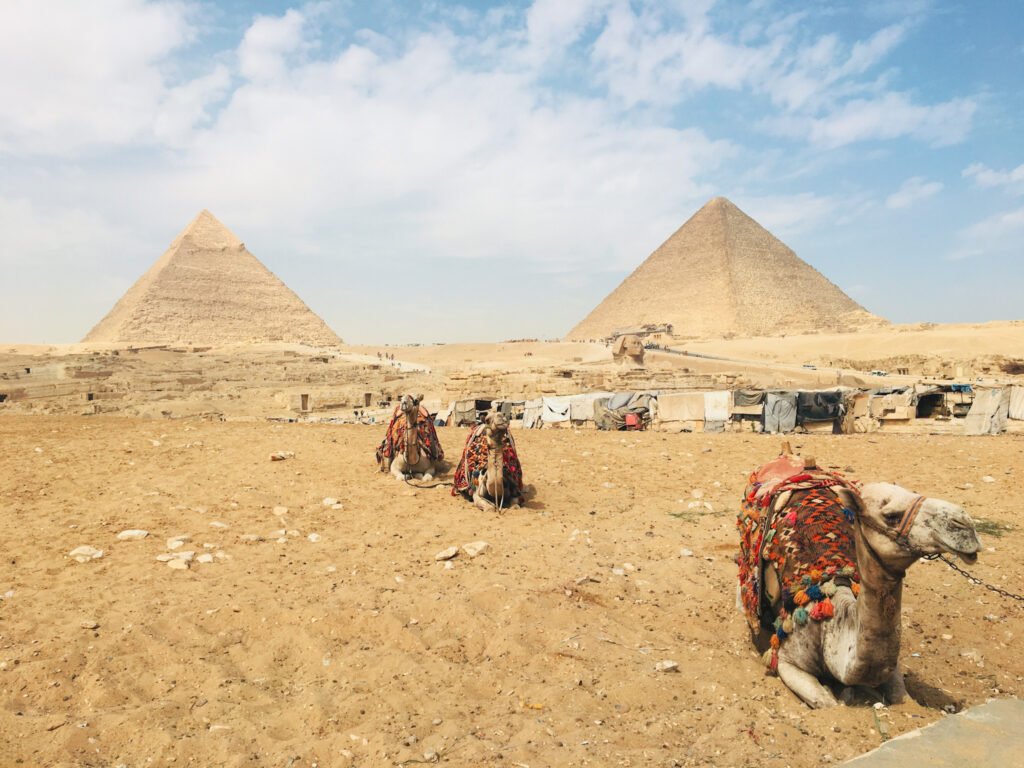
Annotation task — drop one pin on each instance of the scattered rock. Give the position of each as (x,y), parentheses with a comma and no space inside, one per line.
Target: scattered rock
(218,524)
(450,565)
(282,455)
(684,552)
(90,624)
(330,501)
(314,537)
(667,666)
(619,571)
(475,548)
(85,553)
(177,565)
(965,486)
(280,511)
(132,534)
(251,537)
(166,558)
(178,541)
(206,557)
(607,485)
(186,556)
(988,479)
(447,554)
(947,637)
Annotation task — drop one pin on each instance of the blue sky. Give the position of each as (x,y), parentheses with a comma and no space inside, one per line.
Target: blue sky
(422,171)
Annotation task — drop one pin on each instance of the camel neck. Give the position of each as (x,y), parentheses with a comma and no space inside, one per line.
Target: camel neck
(878,611)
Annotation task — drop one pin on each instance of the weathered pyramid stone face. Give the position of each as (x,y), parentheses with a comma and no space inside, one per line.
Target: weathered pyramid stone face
(208,289)
(722,273)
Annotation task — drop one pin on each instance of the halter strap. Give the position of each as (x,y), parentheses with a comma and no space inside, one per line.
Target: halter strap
(903,531)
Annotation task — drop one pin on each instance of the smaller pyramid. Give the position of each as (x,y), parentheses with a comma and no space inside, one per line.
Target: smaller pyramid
(723,273)
(208,289)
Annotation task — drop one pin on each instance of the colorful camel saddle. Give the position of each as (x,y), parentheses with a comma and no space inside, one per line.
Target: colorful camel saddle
(394,441)
(474,463)
(794,520)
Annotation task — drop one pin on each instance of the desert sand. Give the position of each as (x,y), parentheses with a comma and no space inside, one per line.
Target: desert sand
(331,636)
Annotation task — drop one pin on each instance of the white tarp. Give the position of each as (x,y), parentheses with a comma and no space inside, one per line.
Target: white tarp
(581,407)
(1016,403)
(780,412)
(717,406)
(681,406)
(532,412)
(988,412)
(556,409)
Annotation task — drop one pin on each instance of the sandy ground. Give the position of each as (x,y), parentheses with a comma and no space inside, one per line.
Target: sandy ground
(361,649)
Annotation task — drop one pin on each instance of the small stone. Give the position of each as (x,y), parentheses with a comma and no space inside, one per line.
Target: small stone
(292,532)
(218,524)
(988,479)
(697,493)
(314,537)
(85,553)
(251,537)
(178,541)
(282,455)
(947,637)
(430,756)
(619,571)
(177,565)
(607,485)
(628,567)
(186,556)
(965,486)
(449,565)
(667,666)
(684,552)
(342,506)
(475,548)
(132,534)
(90,624)
(330,501)
(166,558)
(154,443)
(447,554)
(206,557)
(279,511)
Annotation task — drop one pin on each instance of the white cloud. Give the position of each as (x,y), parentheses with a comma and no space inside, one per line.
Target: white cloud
(998,236)
(83,74)
(268,45)
(1012,180)
(911,191)
(890,116)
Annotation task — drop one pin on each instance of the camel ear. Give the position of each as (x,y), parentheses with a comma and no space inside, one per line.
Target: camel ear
(419,399)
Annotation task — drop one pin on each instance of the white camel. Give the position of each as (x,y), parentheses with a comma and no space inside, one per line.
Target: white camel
(860,644)
(412,460)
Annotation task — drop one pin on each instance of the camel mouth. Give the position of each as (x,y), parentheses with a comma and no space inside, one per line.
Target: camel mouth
(968,557)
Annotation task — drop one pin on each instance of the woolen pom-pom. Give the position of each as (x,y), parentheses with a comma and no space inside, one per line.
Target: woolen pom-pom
(814,592)
(801,598)
(787,625)
(829,588)
(822,610)
(800,616)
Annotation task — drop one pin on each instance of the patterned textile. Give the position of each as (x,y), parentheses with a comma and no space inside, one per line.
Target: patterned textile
(800,528)
(474,463)
(394,440)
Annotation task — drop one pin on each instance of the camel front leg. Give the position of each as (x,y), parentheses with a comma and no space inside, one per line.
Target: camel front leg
(806,686)
(894,689)
(398,468)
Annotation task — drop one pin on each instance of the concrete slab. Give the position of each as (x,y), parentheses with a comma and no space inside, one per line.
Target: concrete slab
(990,734)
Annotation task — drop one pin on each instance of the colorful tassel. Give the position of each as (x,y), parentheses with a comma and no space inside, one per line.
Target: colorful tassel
(855,587)
(801,598)
(814,592)
(829,588)
(800,616)
(787,625)
(823,610)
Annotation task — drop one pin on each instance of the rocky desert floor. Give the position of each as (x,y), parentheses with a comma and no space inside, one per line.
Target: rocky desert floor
(328,634)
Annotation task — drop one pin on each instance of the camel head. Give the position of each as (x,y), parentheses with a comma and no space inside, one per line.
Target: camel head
(901,526)
(496,426)
(410,404)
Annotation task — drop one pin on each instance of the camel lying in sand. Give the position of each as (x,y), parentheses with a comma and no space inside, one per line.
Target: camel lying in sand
(489,469)
(411,446)
(822,564)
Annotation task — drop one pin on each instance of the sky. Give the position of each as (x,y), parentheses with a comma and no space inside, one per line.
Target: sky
(480,171)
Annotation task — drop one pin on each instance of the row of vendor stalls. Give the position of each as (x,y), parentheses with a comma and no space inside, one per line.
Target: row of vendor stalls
(961,408)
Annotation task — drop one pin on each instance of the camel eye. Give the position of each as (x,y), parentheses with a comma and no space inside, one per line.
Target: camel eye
(892,518)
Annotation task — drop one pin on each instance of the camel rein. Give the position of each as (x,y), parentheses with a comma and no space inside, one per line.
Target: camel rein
(901,537)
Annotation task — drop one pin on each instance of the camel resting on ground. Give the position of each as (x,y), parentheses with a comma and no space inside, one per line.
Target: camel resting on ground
(821,573)
(489,470)
(411,444)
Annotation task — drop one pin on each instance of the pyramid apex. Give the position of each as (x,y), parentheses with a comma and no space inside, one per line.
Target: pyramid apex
(209,232)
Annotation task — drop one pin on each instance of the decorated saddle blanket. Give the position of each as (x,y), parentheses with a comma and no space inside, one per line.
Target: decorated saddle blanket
(799,526)
(394,440)
(474,463)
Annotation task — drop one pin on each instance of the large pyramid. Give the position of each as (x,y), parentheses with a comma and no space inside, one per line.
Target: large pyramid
(208,289)
(723,273)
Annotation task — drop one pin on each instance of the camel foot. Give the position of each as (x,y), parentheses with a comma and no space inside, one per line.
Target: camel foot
(894,690)
(806,686)
(427,477)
